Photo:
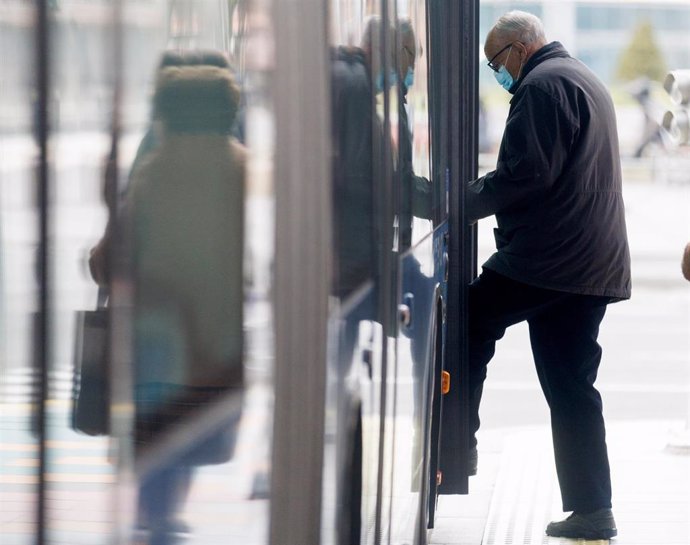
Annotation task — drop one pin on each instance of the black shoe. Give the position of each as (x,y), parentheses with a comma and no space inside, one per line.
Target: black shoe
(596,525)
(472,461)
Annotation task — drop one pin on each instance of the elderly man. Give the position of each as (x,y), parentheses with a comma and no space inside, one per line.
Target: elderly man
(562,253)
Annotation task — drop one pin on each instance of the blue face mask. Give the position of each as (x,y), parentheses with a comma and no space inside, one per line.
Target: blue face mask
(504,78)
(409,77)
(392,80)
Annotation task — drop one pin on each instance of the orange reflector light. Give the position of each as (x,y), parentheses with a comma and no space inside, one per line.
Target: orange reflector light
(445,382)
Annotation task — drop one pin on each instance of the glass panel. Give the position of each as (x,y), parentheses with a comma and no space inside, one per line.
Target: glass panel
(79,474)
(362,95)
(414,150)
(196,215)
(357,87)
(406,375)
(19,239)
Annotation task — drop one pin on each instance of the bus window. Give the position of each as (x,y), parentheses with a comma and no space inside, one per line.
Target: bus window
(362,86)
(360,144)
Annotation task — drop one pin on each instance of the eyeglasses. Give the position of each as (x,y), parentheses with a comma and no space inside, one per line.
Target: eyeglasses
(491,64)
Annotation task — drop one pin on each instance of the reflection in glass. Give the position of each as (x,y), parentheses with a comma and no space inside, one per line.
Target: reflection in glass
(358,77)
(185,204)
(19,239)
(414,170)
(362,88)
(79,473)
(201,339)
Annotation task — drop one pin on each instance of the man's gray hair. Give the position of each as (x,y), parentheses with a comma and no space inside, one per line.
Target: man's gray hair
(371,36)
(521,26)
(372,42)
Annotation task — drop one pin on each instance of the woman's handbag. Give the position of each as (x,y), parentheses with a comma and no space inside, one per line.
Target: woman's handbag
(91,385)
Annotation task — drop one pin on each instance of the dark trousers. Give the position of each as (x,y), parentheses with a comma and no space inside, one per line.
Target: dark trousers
(563,330)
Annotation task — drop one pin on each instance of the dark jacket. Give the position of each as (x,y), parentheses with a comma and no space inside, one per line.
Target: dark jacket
(354,125)
(556,190)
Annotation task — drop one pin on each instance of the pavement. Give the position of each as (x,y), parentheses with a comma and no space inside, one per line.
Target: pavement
(515,493)
(645,383)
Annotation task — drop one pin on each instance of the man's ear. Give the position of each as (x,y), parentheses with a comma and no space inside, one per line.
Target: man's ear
(523,50)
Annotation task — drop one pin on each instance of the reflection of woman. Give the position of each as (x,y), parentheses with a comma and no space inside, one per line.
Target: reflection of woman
(98,259)
(185,208)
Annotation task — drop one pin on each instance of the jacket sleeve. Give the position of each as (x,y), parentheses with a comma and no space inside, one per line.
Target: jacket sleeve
(420,188)
(535,147)
(422,198)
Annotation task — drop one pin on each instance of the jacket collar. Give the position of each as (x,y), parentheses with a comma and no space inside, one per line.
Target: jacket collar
(549,51)
(348,54)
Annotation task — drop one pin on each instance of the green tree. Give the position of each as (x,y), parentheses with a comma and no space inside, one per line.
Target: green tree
(642,57)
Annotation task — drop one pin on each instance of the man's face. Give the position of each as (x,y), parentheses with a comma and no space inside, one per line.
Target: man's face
(502,52)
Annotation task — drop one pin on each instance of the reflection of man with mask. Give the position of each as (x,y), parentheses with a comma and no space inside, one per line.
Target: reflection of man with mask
(416,190)
(415,200)
(357,136)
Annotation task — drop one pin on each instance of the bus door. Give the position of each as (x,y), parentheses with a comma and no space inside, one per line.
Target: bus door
(455,51)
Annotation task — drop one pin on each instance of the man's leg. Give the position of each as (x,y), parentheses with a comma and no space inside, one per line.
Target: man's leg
(567,356)
(495,303)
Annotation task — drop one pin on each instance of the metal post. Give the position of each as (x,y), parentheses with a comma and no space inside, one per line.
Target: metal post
(41,334)
(302,268)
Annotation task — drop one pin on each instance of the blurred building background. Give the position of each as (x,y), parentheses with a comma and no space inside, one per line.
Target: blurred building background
(598,32)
